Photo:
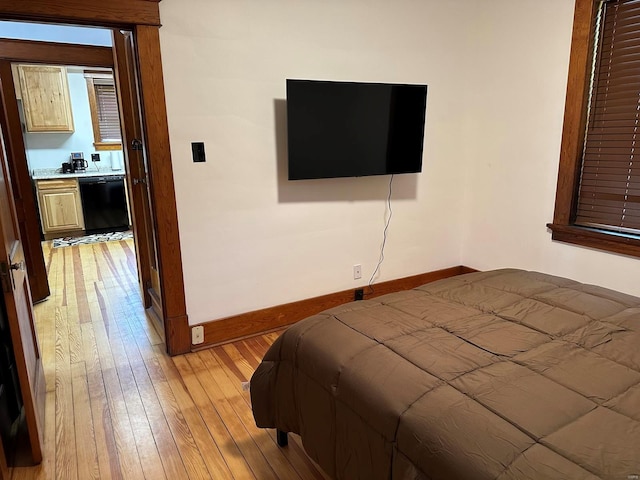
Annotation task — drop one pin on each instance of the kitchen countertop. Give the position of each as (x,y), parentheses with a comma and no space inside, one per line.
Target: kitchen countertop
(54,173)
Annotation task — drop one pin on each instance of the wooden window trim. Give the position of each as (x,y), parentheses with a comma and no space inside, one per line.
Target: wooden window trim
(30,51)
(95,122)
(575,117)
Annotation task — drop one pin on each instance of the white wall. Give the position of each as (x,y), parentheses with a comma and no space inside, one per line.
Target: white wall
(496,72)
(251,239)
(519,82)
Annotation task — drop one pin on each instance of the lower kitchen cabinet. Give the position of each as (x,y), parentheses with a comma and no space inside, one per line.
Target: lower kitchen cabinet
(60,206)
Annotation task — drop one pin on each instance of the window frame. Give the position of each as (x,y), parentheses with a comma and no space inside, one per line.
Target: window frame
(98,143)
(573,135)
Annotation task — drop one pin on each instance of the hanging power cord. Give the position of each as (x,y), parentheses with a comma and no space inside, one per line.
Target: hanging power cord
(384,238)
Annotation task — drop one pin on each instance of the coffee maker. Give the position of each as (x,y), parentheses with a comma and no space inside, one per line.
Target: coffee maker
(78,162)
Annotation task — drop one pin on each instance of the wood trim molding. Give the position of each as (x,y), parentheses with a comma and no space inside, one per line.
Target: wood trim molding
(591,238)
(575,113)
(25,201)
(264,320)
(93,109)
(158,151)
(26,51)
(104,12)
(101,147)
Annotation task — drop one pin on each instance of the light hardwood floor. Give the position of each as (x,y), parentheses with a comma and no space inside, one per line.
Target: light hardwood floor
(118,407)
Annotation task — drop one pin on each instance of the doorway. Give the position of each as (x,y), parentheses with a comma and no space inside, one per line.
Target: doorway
(148,166)
(137,61)
(61,116)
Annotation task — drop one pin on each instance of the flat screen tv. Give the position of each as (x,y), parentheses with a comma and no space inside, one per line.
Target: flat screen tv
(351,129)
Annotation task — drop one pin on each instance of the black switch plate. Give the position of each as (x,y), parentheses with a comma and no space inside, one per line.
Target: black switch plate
(197,150)
(95,157)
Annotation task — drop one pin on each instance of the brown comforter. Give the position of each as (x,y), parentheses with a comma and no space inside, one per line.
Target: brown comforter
(495,375)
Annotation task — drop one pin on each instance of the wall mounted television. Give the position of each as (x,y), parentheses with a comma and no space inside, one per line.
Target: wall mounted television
(354,129)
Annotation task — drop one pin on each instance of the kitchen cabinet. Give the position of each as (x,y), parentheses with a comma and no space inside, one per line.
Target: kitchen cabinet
(60,206)
(45,98)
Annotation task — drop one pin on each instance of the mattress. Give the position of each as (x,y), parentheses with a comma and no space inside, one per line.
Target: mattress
(502,375)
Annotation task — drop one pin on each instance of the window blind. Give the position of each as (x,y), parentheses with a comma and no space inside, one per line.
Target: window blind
(108,118)
(609,191)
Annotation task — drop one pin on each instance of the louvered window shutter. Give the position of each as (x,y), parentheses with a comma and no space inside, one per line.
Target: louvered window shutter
(609,192)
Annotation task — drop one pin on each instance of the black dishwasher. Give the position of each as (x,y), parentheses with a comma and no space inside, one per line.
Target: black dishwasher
(104,204)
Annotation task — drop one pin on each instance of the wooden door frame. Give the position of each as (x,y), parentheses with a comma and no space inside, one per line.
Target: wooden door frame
(142,17)
(22,187)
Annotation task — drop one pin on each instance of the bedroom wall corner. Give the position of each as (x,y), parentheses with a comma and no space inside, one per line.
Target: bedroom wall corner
(518,107)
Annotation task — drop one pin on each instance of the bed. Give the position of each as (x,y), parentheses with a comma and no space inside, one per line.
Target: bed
(505,374)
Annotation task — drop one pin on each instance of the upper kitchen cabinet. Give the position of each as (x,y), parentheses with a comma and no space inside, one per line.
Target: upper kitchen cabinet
(45,98)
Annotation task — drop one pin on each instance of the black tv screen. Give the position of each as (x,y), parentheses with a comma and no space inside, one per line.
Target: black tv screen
(351,129)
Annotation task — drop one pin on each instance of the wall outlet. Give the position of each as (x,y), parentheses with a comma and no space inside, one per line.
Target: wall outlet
(359,294)
(197,335)
(357,272)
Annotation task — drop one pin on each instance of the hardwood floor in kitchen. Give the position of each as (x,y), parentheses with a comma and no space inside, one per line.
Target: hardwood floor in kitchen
(118,407)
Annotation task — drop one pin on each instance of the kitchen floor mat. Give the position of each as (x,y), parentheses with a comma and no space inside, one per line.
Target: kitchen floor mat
(95,238)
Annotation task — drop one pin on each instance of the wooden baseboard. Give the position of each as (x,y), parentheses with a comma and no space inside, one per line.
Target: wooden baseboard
(272,318)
